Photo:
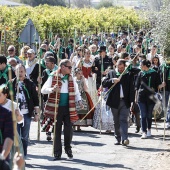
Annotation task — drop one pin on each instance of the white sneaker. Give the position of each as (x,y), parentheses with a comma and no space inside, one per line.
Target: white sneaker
(126,142)
(168,125)
(144,136)
(149,133)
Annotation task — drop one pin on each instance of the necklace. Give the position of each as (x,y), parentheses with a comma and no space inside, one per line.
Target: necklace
(31,63)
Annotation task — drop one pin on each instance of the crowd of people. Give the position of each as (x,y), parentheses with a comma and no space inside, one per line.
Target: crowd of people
(113,79)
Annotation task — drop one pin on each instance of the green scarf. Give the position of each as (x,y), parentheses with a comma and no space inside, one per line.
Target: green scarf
(148,72)
(4,74)
(95,53)
(60,52)
(48,70)
(14,57)
(43,63)
(70,47)
(64,78)
(23,86)
(118,73)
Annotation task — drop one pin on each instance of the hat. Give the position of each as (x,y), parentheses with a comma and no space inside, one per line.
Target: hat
(30,51)
(102,48)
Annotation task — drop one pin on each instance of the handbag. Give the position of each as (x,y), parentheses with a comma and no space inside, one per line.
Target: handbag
(157,110)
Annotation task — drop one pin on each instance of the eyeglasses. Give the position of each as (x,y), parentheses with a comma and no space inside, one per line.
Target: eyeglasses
(69,67)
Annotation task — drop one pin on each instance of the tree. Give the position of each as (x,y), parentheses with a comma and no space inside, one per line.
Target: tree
(154,5)
(81,3)
(105,4)
(49,2)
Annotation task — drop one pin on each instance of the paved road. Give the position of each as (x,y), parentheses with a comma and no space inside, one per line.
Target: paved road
(93,151)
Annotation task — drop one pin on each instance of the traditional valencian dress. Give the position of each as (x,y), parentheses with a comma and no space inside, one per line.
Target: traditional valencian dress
(90,80)
(103,113)
(87,103)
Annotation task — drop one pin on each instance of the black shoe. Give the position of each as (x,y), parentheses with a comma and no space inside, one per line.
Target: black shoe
(69,153)
(137,130)
(57,157)
(117,143)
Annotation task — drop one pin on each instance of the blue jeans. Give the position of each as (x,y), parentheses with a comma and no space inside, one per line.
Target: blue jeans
(23,131)
(146,115)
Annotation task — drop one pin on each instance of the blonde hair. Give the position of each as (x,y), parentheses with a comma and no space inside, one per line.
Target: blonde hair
(23,49)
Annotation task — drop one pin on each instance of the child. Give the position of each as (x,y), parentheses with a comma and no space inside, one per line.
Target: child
(86,100)
(6,103)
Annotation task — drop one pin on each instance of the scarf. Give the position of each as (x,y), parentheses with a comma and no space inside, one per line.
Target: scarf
(42,63)
(30,64)
(48,70)
(118,73)
(148,72)
(60,52)
(4,74)
(95,53)
(50,105)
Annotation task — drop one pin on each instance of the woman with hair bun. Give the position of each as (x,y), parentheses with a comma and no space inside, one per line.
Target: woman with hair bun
(148,82)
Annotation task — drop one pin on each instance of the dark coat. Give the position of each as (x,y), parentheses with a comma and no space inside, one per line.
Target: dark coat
(32,100)
(97,63)
(152,80)
(126,81)
(3,80)
(35,73)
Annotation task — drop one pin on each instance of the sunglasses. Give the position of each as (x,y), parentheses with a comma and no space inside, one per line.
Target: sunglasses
(69,67)
(11,50)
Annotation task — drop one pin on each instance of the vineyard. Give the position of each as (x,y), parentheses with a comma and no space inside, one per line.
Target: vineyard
(50,19)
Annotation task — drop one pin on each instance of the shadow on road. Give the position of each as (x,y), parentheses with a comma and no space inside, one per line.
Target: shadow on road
(148,149)
(51,167)
(92,134)
(88,143)
(77,161)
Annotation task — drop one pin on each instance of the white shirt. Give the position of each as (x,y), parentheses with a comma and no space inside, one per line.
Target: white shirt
(8,105)
(47,89)
(75,62)
(29,68)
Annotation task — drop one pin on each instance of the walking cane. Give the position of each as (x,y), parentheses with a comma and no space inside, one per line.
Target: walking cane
(155,120)
(164,106)
(17,86)
(110,89)
(102,69)
(56,104)
(16,143)
(39,92)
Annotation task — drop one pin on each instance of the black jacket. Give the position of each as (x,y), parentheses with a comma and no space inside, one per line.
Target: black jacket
(97,63)
(126,81)
(152,80)
(32,99)
(3,80)
(35,73)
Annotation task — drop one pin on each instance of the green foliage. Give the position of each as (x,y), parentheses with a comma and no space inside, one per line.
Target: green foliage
(64,20)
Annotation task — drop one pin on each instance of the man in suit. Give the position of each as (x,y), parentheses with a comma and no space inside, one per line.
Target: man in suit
(119,99)
(100,64)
